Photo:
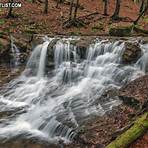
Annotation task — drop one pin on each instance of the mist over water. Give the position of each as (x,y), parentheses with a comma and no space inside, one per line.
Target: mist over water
(52,106)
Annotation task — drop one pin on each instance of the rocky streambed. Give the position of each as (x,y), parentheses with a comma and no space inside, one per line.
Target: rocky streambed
(98,131)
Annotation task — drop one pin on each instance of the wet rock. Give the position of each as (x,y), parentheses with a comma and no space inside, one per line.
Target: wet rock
(140,31)
(50,55)
(23,57)
(22,43)
(131,53)
(144,40)
(82,46)
(4,50)
(130,101)
(135,93)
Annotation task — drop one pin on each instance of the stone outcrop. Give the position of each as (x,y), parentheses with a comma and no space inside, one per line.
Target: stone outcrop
(131,53)
(4,50)
(22,43)
(135,93)
(82,46)
(120,31)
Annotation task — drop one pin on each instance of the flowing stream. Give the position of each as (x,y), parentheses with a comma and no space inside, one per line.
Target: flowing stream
(52,105)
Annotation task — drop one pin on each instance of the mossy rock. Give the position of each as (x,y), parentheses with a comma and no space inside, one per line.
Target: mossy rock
(120,31)
(138,29)
(1,46)
(137,130)
(4,44)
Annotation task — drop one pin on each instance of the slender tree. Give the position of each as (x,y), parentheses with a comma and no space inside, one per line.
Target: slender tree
(143,10)
(71,9)
(10,10)
(46,7)
(115,16)
(76,9)
(142,6)
(58,2)
(105,7)
(73,20)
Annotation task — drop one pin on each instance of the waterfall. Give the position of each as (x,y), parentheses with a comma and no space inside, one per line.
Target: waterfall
(36,64)
(15,53)
(142,63)
(51,107)
(42,61)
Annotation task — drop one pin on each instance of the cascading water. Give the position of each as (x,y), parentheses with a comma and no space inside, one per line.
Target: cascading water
(52,106)
(15,53)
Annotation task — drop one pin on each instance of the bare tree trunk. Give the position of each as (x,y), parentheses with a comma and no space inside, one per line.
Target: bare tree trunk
(142,6)
(76,9)
(46,7)
(71,9)
(117,10)
(10,9)
(58,2)
(145,9)
(105,6)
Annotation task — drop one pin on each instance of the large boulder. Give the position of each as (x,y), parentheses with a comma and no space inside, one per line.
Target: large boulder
(131,53)
(135,93)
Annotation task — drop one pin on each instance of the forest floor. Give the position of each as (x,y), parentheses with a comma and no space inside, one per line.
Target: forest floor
(30,18)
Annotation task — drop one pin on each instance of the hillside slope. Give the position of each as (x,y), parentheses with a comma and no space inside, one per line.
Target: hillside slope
(30,18)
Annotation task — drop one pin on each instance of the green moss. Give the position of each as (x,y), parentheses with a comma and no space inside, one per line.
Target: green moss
(98,27)
(146,19)
(2,21)
(139,127)
(75,33)
(120,31)
(1,46)
(140,29)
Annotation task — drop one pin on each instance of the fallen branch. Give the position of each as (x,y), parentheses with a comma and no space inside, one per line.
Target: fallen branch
(73,23)
(138,129)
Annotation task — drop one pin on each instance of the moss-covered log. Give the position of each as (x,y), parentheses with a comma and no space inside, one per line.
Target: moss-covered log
(138,129)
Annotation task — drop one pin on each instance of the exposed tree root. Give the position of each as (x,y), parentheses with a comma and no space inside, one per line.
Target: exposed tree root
(73,22)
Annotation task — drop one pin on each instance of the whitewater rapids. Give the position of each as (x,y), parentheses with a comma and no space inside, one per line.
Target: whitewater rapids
(51,106)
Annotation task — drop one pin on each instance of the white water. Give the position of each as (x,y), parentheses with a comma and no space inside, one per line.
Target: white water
(15,53)
(55,105)
(42,61)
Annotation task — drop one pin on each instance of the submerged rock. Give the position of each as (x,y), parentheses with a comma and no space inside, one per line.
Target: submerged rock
(131,53)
